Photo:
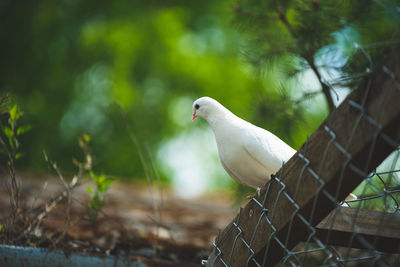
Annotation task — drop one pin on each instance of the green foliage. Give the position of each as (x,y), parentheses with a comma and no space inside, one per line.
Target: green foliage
(97,201)
(147,57)
(154,59)
(101,182)
(317,33)
(377,196)
(380,190)
(11,129)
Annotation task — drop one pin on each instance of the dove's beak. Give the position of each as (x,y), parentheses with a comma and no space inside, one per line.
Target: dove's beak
(194,116)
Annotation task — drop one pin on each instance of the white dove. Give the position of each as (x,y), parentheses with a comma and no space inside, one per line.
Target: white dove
(248,153)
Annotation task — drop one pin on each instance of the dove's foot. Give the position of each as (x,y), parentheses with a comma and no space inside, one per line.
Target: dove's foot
(258,190)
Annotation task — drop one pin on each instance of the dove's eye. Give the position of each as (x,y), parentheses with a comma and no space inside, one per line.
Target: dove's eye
(197,106)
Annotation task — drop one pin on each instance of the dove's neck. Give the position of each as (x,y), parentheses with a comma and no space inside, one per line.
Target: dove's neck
(221,118)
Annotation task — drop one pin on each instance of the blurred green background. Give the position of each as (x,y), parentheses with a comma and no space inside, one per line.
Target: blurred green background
(101,67)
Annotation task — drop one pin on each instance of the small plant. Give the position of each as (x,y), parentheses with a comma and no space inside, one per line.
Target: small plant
(101,182)
(97,201)
(10,146)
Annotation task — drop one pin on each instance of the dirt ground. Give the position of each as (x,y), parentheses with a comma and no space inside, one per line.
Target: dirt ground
(136,219)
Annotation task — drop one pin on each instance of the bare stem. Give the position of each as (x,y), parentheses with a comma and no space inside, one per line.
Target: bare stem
(14,190)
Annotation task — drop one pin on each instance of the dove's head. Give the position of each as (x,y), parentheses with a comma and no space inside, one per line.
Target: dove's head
(204,107)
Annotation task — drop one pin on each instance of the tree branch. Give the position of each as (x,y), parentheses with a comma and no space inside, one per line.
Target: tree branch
(325,87)
(309,59)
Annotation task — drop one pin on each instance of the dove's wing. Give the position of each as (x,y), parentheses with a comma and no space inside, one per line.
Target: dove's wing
(267,149)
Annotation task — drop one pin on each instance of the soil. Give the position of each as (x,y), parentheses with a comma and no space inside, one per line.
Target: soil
(136,220)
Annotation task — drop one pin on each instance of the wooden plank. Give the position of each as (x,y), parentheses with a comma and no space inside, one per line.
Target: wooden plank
(336,159)
(368,222)
(345,239)
(378,228)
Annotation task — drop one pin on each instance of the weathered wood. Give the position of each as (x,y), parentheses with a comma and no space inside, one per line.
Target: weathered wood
(368,222)
(338,155)
(384,244)
(378,228)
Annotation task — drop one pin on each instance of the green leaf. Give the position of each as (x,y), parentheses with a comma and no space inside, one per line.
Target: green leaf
(100,179)
(92,175)
(23,129)
(16,143)
(14,113)
(105,184)
(18,155)
(90,191)
(86,138)
(8,132)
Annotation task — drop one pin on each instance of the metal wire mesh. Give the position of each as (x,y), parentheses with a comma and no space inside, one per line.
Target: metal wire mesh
(369,233)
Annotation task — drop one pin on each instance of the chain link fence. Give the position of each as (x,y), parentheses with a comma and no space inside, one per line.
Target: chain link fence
(303,218)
